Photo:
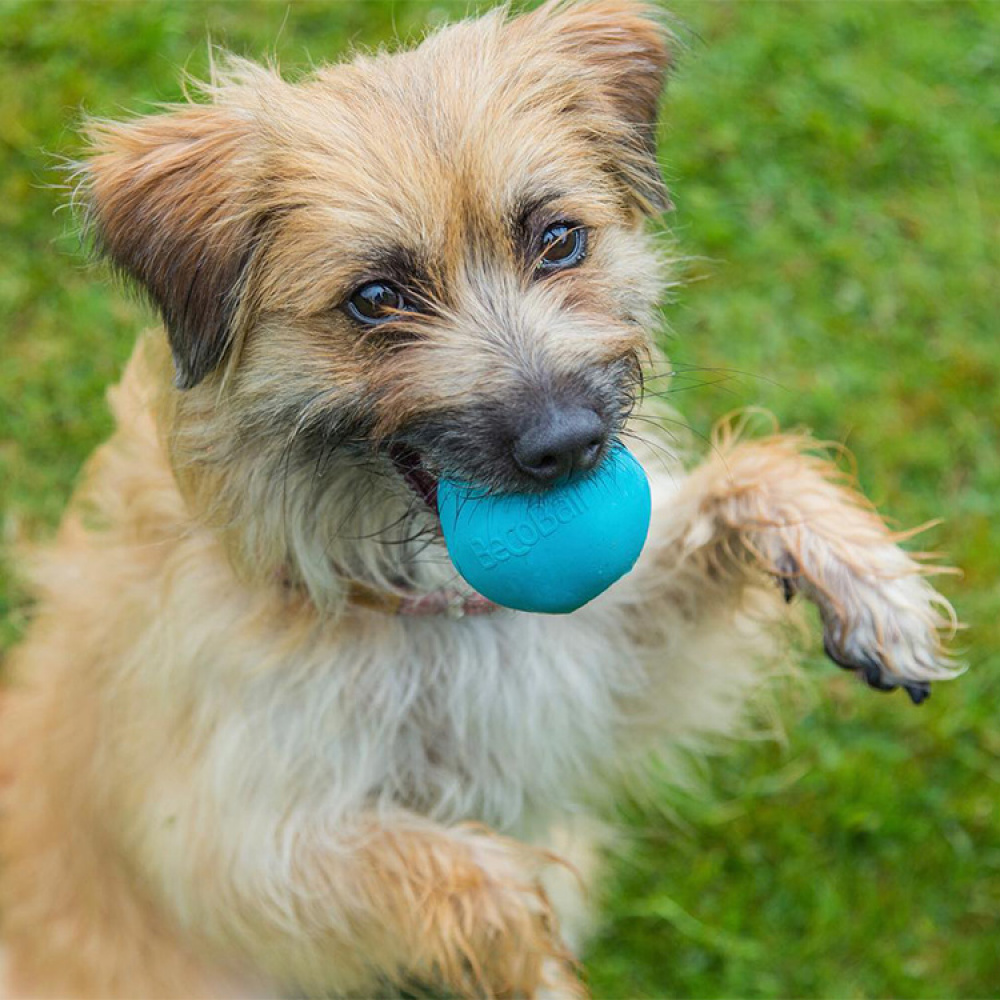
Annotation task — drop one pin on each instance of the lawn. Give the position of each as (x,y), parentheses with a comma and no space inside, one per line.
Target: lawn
(836,168)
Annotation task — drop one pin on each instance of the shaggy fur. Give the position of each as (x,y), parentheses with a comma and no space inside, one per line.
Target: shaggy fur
(228,777)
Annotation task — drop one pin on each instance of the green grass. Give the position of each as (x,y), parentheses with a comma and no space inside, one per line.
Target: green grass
(837,173)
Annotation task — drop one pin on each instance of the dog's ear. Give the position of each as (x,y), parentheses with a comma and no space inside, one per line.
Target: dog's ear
(166,200)
(620,48)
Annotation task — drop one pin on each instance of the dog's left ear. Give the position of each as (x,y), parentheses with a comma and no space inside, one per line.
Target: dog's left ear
(167,203)
(620,48)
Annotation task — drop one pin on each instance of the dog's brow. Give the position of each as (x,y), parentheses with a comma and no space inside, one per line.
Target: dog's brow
(400,264)
(529,204)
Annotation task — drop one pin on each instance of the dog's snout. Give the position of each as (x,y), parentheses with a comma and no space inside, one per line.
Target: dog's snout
(558,441)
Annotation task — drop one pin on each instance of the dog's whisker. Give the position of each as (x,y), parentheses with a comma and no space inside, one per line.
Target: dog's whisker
(718,383)
(680,369)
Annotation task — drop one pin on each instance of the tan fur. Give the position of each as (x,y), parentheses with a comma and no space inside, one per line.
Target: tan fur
(227,778)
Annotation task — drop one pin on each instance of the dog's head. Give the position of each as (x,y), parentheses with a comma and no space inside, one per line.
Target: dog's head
(430,262)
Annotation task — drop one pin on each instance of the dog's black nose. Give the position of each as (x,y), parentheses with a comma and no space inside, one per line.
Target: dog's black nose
(558,441)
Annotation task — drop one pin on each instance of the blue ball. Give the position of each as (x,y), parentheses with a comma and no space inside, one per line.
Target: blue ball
(550,552)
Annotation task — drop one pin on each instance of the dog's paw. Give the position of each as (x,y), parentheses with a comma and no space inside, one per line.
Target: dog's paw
(773,504)
(882,620)
(499,928)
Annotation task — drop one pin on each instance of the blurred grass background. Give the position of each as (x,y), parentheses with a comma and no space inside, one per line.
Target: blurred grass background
(836,168)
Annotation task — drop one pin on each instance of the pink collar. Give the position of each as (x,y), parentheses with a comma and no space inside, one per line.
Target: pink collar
(450,603)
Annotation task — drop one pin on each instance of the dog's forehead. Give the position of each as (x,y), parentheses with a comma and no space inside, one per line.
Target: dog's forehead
(429,147)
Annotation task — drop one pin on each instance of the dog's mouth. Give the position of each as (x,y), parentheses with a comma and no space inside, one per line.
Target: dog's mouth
(418,477)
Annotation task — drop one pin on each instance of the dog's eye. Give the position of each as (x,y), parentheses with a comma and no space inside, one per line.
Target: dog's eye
(375,302)
(563,245)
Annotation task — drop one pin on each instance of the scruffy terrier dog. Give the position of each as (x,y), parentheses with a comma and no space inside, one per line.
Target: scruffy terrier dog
(261,739)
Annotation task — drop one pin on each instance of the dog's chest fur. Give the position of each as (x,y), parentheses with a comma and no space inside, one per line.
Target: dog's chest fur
(495,719)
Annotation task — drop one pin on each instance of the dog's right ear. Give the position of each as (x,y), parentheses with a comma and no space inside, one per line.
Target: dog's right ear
(620,49)
(167,200)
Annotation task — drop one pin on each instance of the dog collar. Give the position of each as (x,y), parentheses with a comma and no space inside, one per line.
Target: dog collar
(449,603)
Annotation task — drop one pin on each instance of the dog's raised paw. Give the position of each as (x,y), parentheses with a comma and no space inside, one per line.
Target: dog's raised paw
(882,620)
(887,631)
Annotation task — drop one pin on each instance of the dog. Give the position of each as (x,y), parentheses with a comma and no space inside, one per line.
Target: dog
(261,739)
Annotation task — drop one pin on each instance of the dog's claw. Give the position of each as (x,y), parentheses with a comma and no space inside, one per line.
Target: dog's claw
(918,691)
(788,570)
(874,673)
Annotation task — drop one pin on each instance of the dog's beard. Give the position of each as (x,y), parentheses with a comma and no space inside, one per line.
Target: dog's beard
(356,513)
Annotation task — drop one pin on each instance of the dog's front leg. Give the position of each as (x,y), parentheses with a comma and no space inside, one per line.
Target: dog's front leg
(769,506)
(387,900)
